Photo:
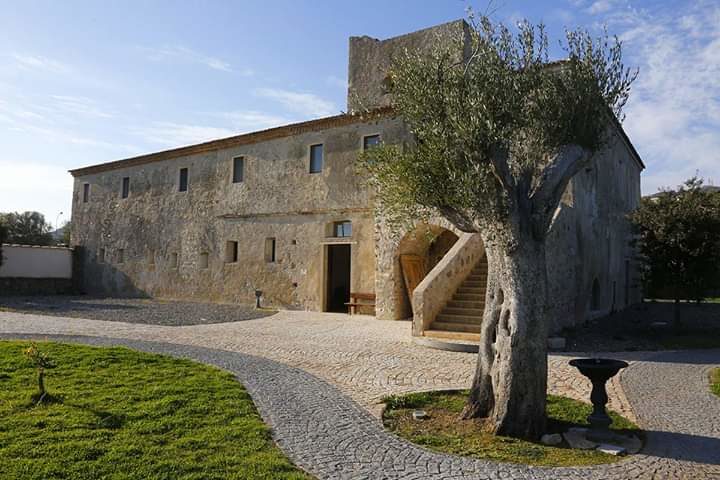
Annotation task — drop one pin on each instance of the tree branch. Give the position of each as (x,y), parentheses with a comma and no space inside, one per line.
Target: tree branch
(501,169)
(551,185)
(458,218)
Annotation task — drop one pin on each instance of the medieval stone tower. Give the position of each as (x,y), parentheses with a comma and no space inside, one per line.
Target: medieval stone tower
(370,60)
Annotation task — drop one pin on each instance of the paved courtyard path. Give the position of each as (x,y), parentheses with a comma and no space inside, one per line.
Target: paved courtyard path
(317,378)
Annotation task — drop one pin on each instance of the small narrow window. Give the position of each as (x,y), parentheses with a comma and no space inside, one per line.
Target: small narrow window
(101,256)
(238,169)
(121,255)
(173,260)
(151,257)
(342,229)
(595,296)
(270,250)
(125,187)
(371,141)
(183,180)
(316,158)
(231,251)
(204,260)
(86,192)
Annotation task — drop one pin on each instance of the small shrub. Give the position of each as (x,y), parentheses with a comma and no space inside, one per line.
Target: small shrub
(41,361)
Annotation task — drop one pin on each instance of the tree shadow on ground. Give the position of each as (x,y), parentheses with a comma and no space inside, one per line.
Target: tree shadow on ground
(649,326)
(681,446)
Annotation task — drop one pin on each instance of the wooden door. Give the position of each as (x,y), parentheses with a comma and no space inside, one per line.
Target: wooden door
(413,269)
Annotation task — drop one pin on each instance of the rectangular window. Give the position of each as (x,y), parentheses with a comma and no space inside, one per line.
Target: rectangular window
(173,260)
(342,229)
(270,250)
(101,256)
(238,169)
(125,187)
(204,257)
(231,251)
(183,180)
(86,192)
(151,257)
(371,141)
(121,255)
(316,158)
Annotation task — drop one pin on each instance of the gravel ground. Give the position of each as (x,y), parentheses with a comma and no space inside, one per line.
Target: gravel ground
(133,310)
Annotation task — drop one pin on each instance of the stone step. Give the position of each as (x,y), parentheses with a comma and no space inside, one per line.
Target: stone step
(455,327)
(457,319)
(464,336)
(475,290)
(476,278)
(469,312)
(473,284)
(469,297)
(466,304)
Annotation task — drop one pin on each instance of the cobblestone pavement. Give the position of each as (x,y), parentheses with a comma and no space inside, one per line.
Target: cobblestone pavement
(331,436)
(364,357)
(132,310)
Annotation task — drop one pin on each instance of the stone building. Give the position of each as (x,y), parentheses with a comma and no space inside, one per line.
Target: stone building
(284,211)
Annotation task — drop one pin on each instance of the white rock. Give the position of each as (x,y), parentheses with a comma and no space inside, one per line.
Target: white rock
(419,414)
(551,439)
(610,449)
(578,440)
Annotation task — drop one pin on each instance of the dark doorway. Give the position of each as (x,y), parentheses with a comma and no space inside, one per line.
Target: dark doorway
(338,277)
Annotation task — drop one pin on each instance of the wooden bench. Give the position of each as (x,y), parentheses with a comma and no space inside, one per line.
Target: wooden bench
(360,300)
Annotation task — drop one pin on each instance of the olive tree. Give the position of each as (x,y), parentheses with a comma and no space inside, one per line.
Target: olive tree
(497,134)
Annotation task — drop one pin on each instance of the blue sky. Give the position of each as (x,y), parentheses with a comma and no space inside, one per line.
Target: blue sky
(89,82)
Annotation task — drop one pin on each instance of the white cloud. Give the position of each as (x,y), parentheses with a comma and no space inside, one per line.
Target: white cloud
(307,104)
(38,62)
(673,116)
(189,55)
(252,120)
(600,6)
(170,134)
(79,105)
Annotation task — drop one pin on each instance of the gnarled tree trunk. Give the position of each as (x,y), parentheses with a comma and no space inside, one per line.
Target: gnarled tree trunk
(510,384)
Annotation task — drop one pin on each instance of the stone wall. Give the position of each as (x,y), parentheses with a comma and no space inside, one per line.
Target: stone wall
(157,225)
(590,239)
(370,59)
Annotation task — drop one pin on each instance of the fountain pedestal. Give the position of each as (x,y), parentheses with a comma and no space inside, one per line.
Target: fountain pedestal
(599,371)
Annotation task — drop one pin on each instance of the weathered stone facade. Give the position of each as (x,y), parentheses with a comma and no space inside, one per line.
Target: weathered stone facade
(163,242)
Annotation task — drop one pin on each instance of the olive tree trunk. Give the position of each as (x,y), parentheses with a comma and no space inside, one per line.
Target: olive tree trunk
(510,384)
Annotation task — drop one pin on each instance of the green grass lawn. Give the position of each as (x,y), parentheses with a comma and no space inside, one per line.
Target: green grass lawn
(121,414)
(715,381)
(445,432)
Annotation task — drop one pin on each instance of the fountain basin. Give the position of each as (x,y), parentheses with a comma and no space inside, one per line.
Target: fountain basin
(599,371)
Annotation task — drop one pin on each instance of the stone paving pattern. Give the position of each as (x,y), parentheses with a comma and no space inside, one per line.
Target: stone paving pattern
(331,436)
(132,310)
(364,357)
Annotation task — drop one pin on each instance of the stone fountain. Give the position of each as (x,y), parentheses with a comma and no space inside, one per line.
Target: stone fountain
(599,371)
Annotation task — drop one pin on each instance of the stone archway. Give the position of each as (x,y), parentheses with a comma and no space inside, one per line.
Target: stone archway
(426,245)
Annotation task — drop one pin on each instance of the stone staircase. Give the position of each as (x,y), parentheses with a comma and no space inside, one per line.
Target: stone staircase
(462,315)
